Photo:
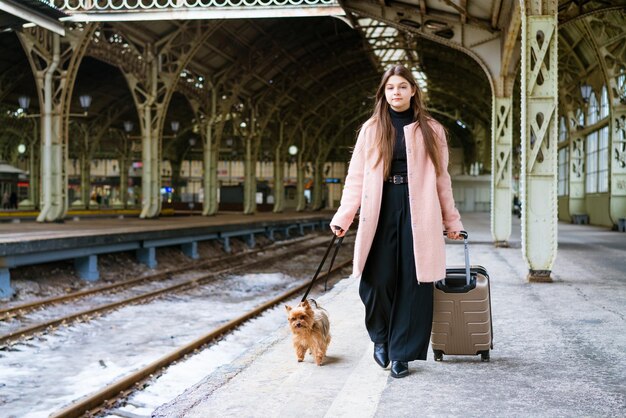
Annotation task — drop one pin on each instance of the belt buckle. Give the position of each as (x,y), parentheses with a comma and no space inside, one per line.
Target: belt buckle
(397,179)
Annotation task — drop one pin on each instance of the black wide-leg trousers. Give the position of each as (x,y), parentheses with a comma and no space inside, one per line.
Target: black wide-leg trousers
(398,310)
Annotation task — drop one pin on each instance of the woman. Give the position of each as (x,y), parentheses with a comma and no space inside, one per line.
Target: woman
(398,178)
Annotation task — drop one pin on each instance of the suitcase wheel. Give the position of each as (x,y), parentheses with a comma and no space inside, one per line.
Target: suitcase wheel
(484,355)
(438,355)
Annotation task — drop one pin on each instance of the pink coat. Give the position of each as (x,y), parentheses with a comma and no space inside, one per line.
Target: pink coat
(430,198)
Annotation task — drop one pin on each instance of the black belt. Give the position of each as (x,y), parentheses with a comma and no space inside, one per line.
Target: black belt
(398,179)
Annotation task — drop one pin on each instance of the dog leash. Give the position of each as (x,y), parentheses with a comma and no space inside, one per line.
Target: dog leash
(332,260)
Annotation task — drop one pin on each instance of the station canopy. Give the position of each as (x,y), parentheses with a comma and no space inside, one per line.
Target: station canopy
(306,70)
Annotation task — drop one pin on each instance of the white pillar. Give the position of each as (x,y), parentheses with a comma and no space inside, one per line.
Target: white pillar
(539,139)
(501,163)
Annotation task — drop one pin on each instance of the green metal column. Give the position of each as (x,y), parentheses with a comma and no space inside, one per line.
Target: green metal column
(318,182)
(300,200)
(53,200)
(34,165)
(617,138)
(248,167)
(211,153)
(54,63)
(85,181)
(146,160)
(209,175)
(250,163)
(501,164)
(150,147)
(576,168)
(539,138)
(279,172)
(617,165)
(123,198)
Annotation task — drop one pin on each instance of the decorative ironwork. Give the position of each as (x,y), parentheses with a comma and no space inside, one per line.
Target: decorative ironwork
(539,139)
(578,158)
(132,5)
(502,134)
(503,144)
(619,141)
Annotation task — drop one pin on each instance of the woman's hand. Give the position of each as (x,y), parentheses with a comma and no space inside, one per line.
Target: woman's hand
(337,231)
(456,235)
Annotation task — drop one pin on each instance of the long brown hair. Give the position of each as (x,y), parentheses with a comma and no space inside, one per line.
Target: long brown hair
(386,133)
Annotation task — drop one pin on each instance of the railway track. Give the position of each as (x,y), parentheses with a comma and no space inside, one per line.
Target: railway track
(106,398)
(220,266)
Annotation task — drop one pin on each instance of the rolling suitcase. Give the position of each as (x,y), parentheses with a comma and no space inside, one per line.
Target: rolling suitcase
(462,312)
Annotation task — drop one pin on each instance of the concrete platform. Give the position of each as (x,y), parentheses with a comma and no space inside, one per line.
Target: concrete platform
(559,349)
(35,243)
(44,232)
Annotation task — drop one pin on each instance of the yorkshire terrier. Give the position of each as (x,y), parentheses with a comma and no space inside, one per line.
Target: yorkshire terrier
(310,328)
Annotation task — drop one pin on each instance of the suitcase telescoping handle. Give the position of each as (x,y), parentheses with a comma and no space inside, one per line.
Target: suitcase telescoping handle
(467,263)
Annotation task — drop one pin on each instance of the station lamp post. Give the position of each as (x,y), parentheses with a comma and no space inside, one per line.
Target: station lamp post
(24,102)
(174,125)
(293,151)
(49,178)
(84,100)
(192,142)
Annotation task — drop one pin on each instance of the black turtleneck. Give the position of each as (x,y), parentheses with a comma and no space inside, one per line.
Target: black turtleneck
(399,121)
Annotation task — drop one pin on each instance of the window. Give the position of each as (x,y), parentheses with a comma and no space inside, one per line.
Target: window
(593,110)
(604,103)
(579,119)
(591,163)
(597,161)
(562,130)
(563,185)
(603,160)
(621,84)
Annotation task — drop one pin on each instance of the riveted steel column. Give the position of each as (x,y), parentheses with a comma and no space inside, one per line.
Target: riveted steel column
(146,122)
(279,172)
(576,168)
(158,117)
(300,200)
(318,168)
(54,62)
(617,164)
(123,161)
(209,175)
(150,148)
(539,138)
(501,154)
(85,181)
(34,165)
(84,158)
(250,163)
(54,202)
(249,167)
(211,153)
(609,51)
(152,76)
(614,66)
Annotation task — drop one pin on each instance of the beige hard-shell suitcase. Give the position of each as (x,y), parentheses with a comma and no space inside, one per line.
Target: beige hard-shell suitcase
(462,312)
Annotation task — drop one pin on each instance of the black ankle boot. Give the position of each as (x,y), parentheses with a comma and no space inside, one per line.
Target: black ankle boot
(380,355)
(399,369)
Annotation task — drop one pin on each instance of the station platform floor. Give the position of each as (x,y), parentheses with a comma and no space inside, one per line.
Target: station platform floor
(83,240)
(559,348)
(33,231)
